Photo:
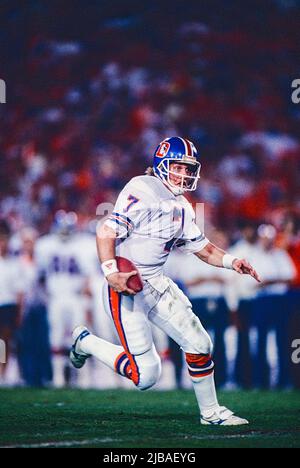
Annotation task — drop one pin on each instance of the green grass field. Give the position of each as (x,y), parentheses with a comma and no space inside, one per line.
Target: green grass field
(81,418)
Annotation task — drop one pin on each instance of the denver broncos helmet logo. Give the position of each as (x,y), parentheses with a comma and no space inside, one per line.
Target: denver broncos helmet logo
(163,149)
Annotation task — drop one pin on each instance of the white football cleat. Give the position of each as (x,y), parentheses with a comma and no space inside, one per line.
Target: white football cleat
(223,417)
(77,357)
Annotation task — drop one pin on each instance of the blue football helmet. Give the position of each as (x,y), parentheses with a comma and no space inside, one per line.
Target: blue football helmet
(180,151)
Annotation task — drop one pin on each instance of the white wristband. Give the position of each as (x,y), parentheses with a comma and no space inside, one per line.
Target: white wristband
(109,267)
(228,261)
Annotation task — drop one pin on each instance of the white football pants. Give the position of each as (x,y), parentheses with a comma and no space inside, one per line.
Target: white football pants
(164,304)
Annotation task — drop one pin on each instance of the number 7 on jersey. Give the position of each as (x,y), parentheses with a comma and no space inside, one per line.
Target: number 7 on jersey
(131,201)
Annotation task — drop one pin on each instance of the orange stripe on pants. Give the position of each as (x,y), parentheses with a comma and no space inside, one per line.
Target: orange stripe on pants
(115,302)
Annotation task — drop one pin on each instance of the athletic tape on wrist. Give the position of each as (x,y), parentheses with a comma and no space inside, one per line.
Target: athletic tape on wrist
(228,261)
(109,267)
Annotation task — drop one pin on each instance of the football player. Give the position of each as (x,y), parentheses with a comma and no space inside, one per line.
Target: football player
(151,216)
(59,257)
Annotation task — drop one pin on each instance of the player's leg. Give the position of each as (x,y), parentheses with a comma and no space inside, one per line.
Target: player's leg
(220,321)
(102,325)
(57,324)
(243,366)
(174,315)
(86,344)
(77,314)
(161,342)
(261,370)
(130,316)
(137,358)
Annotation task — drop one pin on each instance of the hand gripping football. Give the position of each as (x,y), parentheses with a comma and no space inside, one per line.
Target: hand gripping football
(125,266)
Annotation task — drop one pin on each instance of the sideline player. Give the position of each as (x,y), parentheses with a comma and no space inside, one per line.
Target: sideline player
(151,216)
(59,256)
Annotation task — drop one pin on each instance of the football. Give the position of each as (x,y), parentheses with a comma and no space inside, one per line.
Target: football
(125,266)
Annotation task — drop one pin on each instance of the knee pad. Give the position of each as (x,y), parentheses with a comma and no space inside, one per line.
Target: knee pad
(149,367)
(204,344)
(197,339)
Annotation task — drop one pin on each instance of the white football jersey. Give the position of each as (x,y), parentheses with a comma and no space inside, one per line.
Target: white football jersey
(64,264)
(149,221)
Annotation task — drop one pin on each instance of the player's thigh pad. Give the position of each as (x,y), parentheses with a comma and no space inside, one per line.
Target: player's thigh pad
(131,323)
(136,328)
(174,315)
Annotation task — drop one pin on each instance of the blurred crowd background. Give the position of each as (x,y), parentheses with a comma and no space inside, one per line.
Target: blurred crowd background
(92,88)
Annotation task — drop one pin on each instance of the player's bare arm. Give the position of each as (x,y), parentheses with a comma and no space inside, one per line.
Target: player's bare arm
(215,256)
(106,247)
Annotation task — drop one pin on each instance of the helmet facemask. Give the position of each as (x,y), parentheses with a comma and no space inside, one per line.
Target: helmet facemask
(188,181)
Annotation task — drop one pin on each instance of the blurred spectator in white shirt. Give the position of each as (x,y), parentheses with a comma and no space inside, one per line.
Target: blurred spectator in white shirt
(271,309)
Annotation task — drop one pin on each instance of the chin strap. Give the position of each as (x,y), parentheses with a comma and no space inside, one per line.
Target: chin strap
(170,187)
(176,191)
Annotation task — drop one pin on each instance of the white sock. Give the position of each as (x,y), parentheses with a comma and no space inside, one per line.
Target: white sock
(103,350)
(206,394)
